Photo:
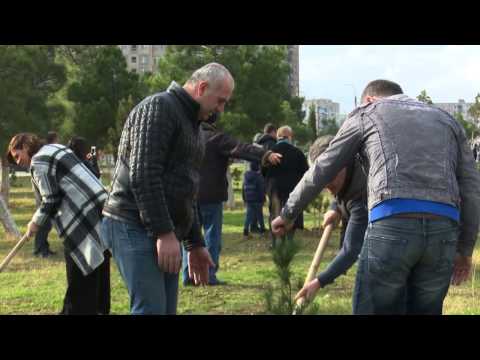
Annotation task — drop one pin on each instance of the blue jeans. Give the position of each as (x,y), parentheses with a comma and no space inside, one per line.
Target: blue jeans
(352,244)
(405,266)
(151,290)
(254,216)
(212,219)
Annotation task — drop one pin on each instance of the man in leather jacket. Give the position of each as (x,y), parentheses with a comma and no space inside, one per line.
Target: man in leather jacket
(423,200)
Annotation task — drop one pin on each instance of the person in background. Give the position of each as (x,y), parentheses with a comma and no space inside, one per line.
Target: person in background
(80,148)
(253,194)
(284,177)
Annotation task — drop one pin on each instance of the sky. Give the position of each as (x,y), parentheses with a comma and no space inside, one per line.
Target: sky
(338,72)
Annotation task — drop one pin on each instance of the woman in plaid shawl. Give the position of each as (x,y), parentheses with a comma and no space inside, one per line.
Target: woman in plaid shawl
(72,196)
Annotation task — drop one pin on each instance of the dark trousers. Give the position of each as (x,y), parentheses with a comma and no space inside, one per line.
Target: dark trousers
(253,216)
(41,245)
(87,295)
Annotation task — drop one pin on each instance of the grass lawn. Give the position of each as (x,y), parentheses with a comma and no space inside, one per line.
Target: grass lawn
(33,285)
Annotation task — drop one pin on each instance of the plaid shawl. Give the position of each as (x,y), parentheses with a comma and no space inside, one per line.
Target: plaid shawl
(73,197)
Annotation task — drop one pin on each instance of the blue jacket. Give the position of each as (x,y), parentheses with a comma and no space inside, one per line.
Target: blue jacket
(253,187)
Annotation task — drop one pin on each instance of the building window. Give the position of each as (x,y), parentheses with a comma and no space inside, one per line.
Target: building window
(134,70)
(134,59)
(133,47)
(144,60)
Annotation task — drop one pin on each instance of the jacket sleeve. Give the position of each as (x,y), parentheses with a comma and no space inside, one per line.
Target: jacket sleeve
(150,139)
(231,147)
(468,179)
(48,191)
(194,238)
(342,149)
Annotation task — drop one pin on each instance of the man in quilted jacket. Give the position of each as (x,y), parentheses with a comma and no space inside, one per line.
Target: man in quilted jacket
(152,203)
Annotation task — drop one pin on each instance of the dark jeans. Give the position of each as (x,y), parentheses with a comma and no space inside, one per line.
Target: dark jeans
(40,244)
(212,220)
(276,204)
(87,295)
(405,266)
(253,216)
(351,246)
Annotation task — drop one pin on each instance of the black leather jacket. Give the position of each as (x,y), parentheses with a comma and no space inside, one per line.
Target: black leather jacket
(156,177)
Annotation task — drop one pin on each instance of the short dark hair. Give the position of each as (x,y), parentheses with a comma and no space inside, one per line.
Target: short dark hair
(52,137)
(269,128)
(381,88)
(24,140)
(79,147)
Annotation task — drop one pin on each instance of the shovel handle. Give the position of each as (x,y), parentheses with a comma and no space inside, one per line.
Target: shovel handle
(316,260)
(13,252)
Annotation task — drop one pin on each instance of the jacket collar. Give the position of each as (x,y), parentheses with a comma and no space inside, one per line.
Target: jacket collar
(191,106)
(283,140)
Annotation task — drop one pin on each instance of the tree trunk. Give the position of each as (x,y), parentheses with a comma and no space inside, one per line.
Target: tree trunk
(7,219)
(4,180)
(231,197)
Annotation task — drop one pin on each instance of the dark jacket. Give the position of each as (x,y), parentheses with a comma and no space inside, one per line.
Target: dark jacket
(219,148)
(355,188)
(253,189)
(285,176)
(92,165)
(156,177)
(267,141)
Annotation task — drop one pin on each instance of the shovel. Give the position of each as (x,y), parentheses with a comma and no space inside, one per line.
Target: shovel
(315,262)
(13,252)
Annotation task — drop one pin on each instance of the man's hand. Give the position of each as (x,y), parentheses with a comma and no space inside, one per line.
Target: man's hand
(279,226)
(461,269)
(330,217)
(308,291)
(274,158)
(168,251)
(199,261)
(32,229)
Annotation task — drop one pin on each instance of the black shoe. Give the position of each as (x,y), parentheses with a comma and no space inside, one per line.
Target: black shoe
(48,253)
